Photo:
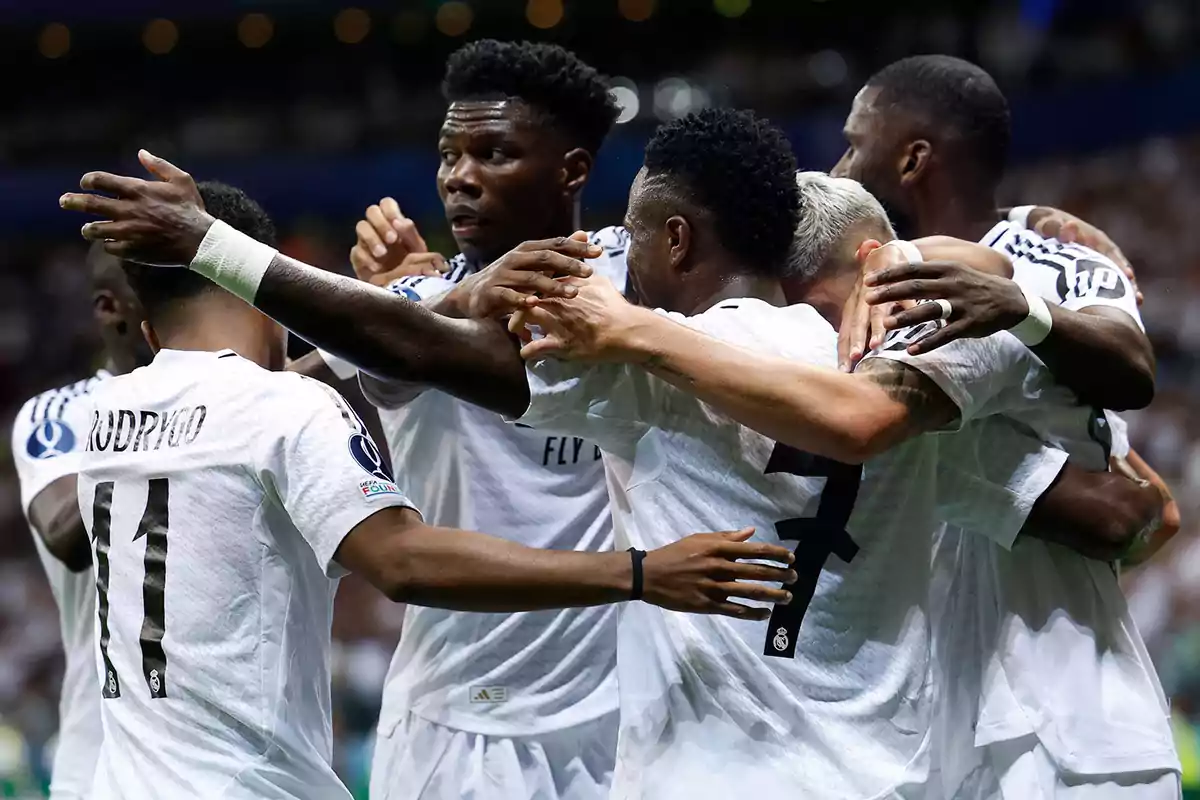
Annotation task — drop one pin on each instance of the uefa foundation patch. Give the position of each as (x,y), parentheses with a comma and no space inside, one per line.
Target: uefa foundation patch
(377,488)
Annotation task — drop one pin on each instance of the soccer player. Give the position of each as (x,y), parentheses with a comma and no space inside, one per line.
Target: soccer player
(47,442)
(839,708)
(929,137)
(534,693)
(223,497)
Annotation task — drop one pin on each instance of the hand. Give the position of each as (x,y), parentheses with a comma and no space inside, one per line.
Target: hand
(862,323)
(518,277)
(155,222)
(701,572)
(862,328)
(596,325)
(1054,223)
(981,304)
(413,264)
(389,242)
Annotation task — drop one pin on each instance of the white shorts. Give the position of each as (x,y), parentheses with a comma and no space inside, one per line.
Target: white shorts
(1022,769)
(421,760)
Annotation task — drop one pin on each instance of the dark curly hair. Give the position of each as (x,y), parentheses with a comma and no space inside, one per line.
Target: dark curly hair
(159,288)
(546,77)
(956,99)
(739,168)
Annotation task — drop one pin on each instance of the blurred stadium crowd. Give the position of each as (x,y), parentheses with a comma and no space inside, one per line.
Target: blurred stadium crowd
(1141,184)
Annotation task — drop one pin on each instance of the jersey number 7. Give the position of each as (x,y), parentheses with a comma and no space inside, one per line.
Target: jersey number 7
(819,537)
(153,528)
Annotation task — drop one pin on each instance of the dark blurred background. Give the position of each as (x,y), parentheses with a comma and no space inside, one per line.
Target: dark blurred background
(318,109)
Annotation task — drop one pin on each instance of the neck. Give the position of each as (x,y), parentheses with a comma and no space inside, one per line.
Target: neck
(566,222)
(827,295)
(118,358)
(759,287)
(963,214)
(210,325)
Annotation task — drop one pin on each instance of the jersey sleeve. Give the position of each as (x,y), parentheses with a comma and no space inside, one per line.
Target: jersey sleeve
(45,446)
(1091,279)
(983,377)
(327,471)
(990,474)
(420,287)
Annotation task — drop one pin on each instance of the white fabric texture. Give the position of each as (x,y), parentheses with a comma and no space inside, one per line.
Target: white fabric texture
(47,441)
(421,760)
(216,494)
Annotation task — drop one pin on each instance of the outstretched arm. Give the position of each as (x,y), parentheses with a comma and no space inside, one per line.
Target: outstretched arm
(163,222)
(416,563)
(1099,351)
(848,418)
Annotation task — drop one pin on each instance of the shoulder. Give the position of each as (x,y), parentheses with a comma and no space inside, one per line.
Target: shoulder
(51,423)
(1061,271)
(795,331)
(308,399)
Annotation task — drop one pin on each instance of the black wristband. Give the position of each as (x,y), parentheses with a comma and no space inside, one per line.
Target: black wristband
(635,592)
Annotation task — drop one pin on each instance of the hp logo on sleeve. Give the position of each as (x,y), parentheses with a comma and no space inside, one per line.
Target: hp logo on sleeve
(49,439)
(367,456)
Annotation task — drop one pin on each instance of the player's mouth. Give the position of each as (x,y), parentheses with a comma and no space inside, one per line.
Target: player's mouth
(465,225)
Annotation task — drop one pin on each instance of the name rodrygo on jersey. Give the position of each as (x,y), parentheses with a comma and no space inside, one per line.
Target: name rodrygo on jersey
(216,494)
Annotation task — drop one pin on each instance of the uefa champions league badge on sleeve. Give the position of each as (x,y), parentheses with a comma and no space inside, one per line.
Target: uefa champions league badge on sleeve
(50,438)
(367,456)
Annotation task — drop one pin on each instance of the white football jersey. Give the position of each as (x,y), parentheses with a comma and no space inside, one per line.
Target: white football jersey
(1039,639)
(500,674)
(216,494)
(831,697)
(47,440)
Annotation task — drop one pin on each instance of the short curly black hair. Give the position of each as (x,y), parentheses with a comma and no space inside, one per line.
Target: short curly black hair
(158,288)
(956,98)
(546,77)
(739,168)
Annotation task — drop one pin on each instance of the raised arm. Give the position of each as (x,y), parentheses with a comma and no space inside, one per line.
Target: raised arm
(1099,351)
(163,222)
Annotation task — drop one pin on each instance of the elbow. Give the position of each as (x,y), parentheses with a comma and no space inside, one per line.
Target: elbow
(1140,392)
(70,547)
(1135,388)
(858,443)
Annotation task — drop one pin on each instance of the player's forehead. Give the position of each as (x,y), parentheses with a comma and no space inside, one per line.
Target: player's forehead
(502,117)
(864,111)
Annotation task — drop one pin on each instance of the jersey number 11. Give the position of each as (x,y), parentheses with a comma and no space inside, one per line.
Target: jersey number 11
(153,528)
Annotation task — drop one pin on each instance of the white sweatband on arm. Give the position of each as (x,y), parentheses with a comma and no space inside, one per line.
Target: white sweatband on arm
(340,367)
(1034,329)
(1019,215)
(910,250)
(233,260)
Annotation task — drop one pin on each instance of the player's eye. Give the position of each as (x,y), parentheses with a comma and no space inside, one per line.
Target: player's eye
(449,156)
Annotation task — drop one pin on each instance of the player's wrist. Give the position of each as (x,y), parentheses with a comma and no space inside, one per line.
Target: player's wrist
(636,336)
(1036,326)
(232,260)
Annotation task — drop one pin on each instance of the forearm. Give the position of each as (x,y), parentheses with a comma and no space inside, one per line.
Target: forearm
(467,571)
(1171,519)
(1106,362)
(395,339)
(1098,515)
(820,411)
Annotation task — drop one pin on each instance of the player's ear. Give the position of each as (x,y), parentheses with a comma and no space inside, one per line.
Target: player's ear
(106,307)
(150,336)
(577,168)
(865,249)
(679,240)
(914,160)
